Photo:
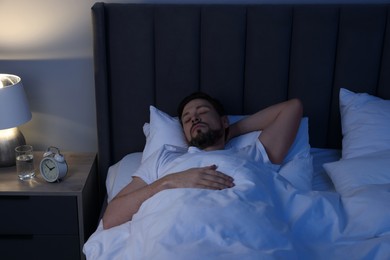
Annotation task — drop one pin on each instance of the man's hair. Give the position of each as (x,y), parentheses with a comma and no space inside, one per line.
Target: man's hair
(200,95)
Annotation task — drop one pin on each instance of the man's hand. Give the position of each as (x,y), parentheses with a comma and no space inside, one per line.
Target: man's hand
(204,177)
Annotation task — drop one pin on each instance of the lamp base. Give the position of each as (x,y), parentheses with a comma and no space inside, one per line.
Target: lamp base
(9,140)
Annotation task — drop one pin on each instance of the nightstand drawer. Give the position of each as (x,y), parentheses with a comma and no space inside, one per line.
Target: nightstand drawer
(26,215)
(40,247)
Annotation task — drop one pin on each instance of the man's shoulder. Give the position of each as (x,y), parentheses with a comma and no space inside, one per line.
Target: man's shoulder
(170,152)
(173,149)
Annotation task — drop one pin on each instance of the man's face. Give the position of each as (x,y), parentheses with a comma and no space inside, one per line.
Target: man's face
(202,125)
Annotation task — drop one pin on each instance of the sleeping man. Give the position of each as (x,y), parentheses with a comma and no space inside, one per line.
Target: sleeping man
(207,130)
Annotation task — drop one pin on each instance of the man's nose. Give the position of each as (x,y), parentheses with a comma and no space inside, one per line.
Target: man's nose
(195,119)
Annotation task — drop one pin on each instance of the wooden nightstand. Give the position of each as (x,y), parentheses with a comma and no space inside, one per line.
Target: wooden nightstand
(40,220)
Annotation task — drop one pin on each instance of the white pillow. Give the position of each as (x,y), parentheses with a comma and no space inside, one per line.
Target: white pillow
(365,122)
(119,174)
(349,174)
(164,129)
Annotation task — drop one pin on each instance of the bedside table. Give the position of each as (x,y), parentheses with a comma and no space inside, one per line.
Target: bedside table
(41,220)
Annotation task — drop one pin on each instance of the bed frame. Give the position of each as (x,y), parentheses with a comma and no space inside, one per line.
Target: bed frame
(249,56)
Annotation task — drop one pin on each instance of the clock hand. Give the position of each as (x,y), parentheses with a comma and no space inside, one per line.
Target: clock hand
(50,168)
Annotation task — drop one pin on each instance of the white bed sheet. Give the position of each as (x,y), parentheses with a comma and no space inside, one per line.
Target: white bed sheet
(321,180)
(281,221)
(118,178)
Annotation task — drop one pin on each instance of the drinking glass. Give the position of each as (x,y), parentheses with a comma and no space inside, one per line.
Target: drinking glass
(25,162)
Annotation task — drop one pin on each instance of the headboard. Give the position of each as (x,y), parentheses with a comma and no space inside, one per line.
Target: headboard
(248,56)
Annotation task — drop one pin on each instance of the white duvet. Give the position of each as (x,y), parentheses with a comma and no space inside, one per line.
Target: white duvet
(263,217)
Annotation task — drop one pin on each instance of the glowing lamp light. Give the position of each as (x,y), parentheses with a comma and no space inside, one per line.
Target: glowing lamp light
(14,111)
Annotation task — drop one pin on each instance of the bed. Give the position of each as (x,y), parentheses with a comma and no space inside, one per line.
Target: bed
(330,199)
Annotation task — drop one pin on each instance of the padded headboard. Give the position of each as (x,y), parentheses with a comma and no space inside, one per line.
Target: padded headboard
(249,56)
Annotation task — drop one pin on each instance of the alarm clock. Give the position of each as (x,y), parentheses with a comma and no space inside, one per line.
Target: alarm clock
(53,166)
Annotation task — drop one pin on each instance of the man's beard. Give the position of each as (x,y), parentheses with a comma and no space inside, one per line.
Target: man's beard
(207,139)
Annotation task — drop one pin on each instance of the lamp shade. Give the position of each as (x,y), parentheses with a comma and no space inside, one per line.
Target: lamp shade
(14,108)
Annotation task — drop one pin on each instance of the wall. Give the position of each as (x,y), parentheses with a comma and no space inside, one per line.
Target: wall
(48,43)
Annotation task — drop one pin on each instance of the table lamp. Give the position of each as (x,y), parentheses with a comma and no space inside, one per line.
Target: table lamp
(14,111)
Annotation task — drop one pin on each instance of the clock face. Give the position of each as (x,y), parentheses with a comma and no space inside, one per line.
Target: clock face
(49,169)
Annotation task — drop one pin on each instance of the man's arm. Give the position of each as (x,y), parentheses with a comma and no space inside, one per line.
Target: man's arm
(279,124)
(122,208)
